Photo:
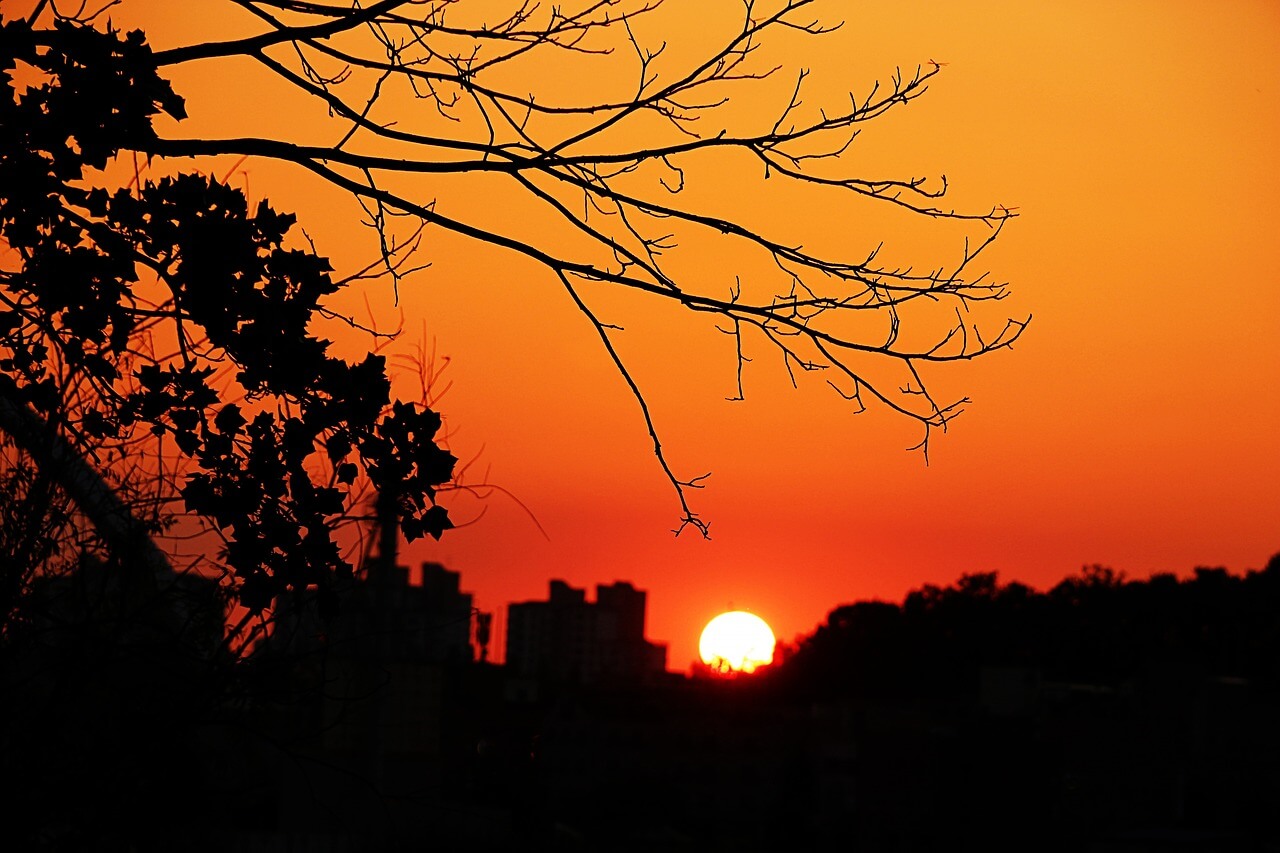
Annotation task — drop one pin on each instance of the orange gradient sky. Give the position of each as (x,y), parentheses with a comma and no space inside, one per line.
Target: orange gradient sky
(1135,424)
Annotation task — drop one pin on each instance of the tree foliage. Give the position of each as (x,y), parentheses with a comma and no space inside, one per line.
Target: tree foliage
(173,308)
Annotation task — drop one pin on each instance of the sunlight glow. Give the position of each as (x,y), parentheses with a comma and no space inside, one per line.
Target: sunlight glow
(736,641)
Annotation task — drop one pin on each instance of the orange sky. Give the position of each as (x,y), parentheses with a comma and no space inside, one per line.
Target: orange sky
(1133,425)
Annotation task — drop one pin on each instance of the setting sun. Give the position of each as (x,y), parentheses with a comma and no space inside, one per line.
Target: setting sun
(736,642)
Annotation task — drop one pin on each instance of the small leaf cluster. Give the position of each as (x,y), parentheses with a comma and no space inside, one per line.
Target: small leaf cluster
(275,431)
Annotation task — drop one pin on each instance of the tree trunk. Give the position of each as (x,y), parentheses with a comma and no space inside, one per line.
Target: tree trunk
(111,517)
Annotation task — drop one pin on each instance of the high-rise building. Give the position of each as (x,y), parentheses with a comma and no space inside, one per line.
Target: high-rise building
(386,614)
(567,638)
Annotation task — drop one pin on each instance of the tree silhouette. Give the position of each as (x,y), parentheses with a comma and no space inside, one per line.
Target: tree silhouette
(158,339)
(1100,708)
(146,310)
(1095,626)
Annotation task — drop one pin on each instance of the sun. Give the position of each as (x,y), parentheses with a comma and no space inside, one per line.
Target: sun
(736,641)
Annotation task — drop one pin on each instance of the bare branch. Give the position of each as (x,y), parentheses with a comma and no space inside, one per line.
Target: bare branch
(622,168)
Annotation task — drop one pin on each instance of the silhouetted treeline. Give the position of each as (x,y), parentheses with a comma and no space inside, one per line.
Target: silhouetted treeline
(1095,626)
(1102,714)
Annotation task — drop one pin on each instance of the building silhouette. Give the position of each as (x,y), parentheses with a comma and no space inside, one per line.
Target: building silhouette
(379,734)
(390,615)
(427,621)
(569,639)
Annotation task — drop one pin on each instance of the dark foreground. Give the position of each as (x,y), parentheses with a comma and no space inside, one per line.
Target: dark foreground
(1103,716)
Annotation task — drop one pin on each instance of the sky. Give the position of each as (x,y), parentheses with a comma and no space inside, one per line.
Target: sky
(1133,425)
